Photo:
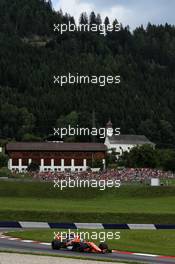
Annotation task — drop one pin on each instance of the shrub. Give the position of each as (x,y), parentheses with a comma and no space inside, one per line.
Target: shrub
(5,172)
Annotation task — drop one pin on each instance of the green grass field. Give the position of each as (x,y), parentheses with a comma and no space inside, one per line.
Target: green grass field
(169,182)
(159,242)
(34,201)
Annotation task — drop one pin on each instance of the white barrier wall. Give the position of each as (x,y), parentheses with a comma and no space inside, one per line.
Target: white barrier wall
(155,182)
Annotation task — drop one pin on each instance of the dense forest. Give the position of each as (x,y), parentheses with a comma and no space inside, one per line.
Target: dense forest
(31,53)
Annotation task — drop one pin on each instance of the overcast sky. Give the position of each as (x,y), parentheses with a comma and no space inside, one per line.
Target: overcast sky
(128,12)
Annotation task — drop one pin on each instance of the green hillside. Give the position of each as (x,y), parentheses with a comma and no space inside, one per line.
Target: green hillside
(31,53)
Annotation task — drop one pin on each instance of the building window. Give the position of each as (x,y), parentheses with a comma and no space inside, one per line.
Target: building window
(67,162)
(57,162)
(15,162)
(78,162)
(25,162)
(47,162)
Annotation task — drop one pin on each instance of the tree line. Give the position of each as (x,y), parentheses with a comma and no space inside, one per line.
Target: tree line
(31,53)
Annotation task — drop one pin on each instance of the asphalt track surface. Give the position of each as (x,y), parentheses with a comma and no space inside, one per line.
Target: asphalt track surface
(45,248)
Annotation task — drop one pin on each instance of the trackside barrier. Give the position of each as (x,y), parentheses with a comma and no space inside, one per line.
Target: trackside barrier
(45,225)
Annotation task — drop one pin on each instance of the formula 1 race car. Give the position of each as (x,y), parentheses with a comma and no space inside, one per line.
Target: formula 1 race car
(74,243)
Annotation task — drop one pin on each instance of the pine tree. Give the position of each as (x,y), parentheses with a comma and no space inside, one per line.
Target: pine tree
(106,22)
(92,18)
(83,18)
(50,4)
(98,19)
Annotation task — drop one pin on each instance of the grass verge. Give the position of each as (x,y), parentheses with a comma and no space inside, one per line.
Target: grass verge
(35,201)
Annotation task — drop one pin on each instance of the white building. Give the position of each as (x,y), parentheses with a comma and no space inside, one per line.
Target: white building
(123,143)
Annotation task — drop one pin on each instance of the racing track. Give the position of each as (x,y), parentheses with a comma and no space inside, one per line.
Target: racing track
(44,248)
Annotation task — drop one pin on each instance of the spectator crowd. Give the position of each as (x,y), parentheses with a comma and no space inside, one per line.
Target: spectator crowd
(126,175)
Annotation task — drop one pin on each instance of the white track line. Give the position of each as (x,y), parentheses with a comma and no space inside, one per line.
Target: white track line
(146,255)
(27,241)
(46,244)
(13,238)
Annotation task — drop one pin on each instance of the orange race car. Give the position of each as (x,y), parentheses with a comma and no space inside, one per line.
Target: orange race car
(74,243)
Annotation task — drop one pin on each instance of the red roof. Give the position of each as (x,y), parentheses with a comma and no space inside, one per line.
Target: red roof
(52,146)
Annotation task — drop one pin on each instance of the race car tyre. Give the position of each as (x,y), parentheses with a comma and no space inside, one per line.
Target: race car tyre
(103,246)
(80,247)
(56,244)
(76,247)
